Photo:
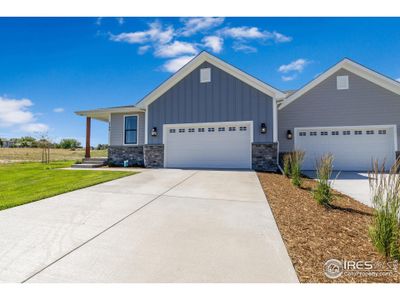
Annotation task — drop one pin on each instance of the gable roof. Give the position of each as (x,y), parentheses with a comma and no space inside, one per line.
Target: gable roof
(197,61)
(349,65)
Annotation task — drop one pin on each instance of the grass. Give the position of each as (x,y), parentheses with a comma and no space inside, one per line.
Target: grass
(35,154)
(323,192)
(385,229)
(21,183)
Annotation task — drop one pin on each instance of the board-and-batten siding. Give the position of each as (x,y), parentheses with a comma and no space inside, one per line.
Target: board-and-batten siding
(224,99)
(117,128)
(364,103)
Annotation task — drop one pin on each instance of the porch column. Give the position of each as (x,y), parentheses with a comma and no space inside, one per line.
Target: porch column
(87,149)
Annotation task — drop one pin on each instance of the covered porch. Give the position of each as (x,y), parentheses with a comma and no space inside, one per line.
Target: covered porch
(102,115)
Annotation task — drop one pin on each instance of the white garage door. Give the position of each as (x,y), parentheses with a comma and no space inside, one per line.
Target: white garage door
(208,145)
(353,148)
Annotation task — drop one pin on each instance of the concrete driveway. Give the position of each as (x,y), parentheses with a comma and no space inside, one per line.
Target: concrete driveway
(157,226)
(353,184)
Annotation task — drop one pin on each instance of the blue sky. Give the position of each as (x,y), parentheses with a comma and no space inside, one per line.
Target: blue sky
(50,67)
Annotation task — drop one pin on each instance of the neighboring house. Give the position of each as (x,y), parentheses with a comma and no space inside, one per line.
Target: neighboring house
(349,111)
(7,144)
(212,115)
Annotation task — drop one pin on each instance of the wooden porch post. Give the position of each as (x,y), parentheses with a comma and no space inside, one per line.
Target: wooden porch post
(87,150)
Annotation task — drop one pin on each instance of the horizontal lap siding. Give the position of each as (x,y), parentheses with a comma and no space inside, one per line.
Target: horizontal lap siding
(117,128)
(225,98)
(364,103)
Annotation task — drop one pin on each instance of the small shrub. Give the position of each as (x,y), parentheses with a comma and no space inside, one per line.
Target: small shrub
(385,189)
(286,164)
(296,160)
(323,192)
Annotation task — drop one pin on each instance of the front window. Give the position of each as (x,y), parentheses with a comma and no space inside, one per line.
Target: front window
(131,130)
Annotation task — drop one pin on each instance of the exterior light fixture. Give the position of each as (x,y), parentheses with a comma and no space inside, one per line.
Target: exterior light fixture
(289,135)
(154,131)
(263,128)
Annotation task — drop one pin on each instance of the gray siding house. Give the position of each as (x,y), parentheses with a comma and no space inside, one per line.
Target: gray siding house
(348,111)
(212,115)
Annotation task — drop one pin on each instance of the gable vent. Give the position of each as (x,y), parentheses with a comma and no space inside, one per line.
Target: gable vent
(342,82)
(205,75)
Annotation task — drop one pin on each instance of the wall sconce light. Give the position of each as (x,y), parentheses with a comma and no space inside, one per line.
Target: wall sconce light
(263,128)
(289,135)
(154,131)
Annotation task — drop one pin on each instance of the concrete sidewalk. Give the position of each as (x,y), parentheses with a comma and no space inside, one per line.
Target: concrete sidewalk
(157,226)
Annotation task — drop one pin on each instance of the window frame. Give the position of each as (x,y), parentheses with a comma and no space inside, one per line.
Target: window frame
(137,130)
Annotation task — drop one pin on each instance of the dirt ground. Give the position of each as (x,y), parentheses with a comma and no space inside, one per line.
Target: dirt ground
(314,234)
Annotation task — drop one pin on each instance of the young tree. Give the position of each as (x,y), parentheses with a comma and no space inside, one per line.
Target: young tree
(45,143)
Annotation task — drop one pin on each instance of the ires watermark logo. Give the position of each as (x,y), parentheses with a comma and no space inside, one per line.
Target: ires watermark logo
(334,268)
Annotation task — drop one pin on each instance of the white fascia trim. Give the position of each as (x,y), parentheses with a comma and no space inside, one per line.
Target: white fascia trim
(137,130)
(109,110)
(353,67)
(146,126)
(275,121)
(197,61)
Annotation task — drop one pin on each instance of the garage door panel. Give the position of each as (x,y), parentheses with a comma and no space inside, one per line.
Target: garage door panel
(352,151)
(205,149)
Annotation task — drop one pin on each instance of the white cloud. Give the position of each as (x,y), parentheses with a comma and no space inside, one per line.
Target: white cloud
(155,33)
(35,128)
(244,32)
(194,25)
(143,49)
(398,79)
(239,47)
(120,20)
(289,78)
(295,66)
(175,64)
(15,112)
(214,43)
(174,49)
(58,110)
(281,38)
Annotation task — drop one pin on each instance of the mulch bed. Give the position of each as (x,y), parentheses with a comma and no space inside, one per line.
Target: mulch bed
(313,234)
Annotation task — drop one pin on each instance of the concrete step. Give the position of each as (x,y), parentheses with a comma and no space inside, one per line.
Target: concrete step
(98,159)
(85,165)
(95,162)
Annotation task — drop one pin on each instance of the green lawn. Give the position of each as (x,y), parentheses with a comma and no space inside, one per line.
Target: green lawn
(21,183)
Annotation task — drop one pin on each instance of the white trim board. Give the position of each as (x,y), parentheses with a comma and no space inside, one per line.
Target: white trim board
(353,67)
(197,61)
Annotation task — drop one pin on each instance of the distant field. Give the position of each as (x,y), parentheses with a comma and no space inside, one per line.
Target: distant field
(35,154)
